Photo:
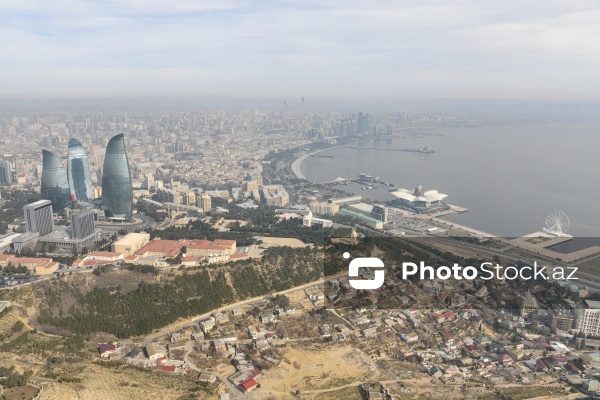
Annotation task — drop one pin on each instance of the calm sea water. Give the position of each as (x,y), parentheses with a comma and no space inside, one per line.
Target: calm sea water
(509,177)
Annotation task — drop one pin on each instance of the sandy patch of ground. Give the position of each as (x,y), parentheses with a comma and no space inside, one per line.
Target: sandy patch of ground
(299,301)
(233,221)
(257,250)
(225,369)
(278,241)
(313,370)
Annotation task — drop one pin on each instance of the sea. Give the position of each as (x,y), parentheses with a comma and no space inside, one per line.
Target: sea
(510,177)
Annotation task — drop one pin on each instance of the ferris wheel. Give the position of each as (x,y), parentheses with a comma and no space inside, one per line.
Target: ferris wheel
(557,223)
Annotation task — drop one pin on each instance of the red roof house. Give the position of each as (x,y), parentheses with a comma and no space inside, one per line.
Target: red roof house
(247,385)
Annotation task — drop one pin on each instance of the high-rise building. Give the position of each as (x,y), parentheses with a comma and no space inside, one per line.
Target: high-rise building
(381,213)
(169,196)
(360,123)
(149,181)
(38,217)
(190,198)
(78,169)
(364,122)
(205,202)
(55,185)
(529,306)
(587,318)
(82,224)
(561,319)
(5,173)
(117,192)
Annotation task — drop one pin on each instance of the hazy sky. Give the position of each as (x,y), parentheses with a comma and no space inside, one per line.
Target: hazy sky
(546,49)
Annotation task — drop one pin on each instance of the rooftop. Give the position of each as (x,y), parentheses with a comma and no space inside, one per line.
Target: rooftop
(592,304)
(530,301)
(361,216)
(171,248)
(104,254)
(39,203)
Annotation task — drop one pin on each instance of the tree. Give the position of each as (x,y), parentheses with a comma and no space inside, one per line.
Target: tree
(281,300)
(18,326)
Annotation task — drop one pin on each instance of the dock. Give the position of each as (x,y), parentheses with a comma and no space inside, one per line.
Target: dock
(422,151)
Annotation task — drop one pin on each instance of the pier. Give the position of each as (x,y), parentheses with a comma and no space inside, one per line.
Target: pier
(423,151)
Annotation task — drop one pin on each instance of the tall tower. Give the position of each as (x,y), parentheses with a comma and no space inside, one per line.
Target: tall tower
(5,173)
(361,128)
(38,217)
(117,193)
(55,185)
(82,224)
(78,169)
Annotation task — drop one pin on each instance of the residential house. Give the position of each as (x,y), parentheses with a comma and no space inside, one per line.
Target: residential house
(207,324)
(106,349)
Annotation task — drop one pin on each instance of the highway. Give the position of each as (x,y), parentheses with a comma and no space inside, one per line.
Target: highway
(592,281)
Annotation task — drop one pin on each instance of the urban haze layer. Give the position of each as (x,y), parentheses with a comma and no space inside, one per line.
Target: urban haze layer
(151,254)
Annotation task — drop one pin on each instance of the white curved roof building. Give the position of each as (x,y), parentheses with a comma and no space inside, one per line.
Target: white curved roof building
(418,198)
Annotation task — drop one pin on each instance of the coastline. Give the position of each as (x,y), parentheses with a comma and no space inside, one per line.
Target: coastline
(541,251)
(296,165)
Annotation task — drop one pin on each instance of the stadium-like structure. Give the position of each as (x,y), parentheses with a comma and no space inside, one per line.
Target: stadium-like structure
(420,201)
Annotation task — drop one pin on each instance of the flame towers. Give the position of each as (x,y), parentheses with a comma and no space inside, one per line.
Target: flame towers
(78,169)
(55,185)
(62,189)
(117,193)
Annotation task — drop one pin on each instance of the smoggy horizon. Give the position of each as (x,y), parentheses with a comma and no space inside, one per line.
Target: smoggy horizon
(286,50)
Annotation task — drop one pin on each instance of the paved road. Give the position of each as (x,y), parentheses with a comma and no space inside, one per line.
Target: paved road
(194,320)
(143,222)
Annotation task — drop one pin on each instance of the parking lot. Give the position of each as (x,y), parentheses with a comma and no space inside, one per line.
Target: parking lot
(7,281)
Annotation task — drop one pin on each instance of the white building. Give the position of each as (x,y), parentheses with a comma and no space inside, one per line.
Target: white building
(419,200)
(587,318)
(324,208)
(275,195)
(309,221)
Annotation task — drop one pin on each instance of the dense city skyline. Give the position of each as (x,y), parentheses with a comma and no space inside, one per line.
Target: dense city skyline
(311,200)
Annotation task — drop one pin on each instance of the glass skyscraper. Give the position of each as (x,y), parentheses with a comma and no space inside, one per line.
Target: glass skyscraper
(117,193)
(78,169)
(5,173)
(55,185)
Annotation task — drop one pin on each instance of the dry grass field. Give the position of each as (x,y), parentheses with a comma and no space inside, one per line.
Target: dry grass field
(314,370)
(99,383)
(20,392)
